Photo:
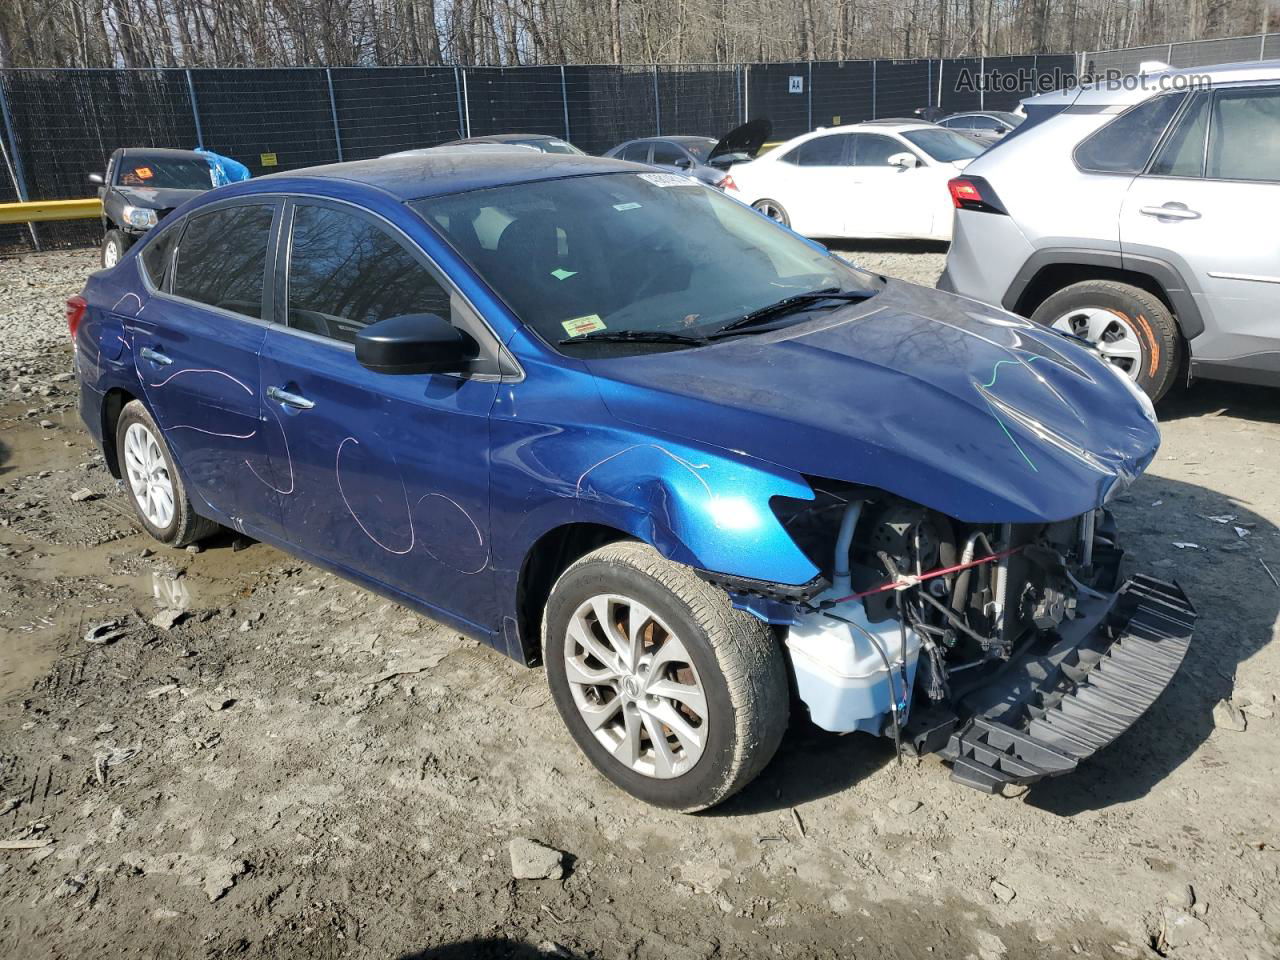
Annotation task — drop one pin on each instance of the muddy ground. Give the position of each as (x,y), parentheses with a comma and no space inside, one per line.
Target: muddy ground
(297,768)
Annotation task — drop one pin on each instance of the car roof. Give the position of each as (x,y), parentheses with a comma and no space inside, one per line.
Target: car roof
(505,138)
(438,171)
(879,126)
(1160,80)
(158,152)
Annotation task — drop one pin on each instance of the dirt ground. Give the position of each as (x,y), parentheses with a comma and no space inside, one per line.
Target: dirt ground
(296,768)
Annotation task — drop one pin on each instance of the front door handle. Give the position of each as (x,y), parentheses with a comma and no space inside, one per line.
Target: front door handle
(1170,211)
(289,399)
(155,356)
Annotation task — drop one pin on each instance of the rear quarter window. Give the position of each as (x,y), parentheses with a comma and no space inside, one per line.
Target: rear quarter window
(158,254)
(1126,143)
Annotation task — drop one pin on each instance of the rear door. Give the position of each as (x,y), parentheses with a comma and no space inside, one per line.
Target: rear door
(196,343)
(388,474)
(1210,203)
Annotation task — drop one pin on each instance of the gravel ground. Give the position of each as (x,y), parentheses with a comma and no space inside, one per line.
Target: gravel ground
(283,765)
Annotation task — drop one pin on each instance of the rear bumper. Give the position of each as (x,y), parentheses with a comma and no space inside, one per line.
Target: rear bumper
(1059,702)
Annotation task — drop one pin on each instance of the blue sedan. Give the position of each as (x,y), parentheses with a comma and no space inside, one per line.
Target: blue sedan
(609,420)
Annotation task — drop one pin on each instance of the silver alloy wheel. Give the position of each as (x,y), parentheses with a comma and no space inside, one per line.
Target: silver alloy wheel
(149,479)
(111,255)
(1112,333)
(771,210)
(635,686)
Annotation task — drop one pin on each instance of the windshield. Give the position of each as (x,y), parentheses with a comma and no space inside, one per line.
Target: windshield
(631,252)
(944,145)
(164,173)
(556,146)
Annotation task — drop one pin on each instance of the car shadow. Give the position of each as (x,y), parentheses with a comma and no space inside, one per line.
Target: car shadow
(491,948)
(6,454)
(888,246)
(1237,605)
(1214,397)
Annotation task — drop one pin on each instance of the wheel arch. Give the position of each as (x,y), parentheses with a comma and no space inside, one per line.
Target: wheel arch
(113,403)
(1048,271)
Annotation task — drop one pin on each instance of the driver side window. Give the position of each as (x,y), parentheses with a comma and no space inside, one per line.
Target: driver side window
(346,272)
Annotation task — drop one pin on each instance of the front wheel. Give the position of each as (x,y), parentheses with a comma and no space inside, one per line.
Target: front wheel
(1131,327)
(672,694)
(114,244)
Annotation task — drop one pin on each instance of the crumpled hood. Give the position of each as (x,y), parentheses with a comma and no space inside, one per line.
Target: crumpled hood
(157,199)
(961,407)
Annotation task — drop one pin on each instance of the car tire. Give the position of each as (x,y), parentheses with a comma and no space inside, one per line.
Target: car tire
(726,671)
(773,210)
(152,482)
(1131,327)
(114,245)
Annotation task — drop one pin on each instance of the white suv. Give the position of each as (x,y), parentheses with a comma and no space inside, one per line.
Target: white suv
(1142,215)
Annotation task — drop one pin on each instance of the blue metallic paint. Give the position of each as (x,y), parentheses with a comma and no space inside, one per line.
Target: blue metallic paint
(432,490)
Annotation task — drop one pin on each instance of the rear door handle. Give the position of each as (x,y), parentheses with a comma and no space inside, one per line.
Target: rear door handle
(155,356)
(1170,211)
(289,399)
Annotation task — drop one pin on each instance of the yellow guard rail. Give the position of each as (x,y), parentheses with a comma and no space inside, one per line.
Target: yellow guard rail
(40,211)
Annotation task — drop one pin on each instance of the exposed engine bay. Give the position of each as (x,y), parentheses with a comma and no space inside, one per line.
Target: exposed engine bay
(1012,649)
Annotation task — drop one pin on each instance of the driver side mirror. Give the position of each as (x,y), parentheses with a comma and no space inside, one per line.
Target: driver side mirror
(904,161)
(684,163)
(415,343)
(97,178)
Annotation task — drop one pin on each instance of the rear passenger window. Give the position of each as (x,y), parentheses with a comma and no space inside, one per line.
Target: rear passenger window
(1244,137)
(346,272)
(1125,144)
(1183,153)
(819,152)
(157,255)
(222,258)
(636,153)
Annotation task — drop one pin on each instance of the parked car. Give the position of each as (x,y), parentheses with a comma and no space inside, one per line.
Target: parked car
(612,421)
(702,157)
(534,141)
(141,185)
(877,179)
(986,127)
(1135,216)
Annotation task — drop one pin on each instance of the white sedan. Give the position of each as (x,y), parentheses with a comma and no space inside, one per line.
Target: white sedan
(866,180)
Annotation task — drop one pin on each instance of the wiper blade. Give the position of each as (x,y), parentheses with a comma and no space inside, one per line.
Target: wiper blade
(636,336)
(785,305)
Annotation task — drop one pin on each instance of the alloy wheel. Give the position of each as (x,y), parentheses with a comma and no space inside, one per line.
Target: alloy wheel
(772,211)
(110,256)
(148,472)
(1112,333)
(635,686)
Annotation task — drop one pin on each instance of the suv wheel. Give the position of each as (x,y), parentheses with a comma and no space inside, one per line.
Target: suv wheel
(1131,328)
(675,696)
(114,245)
(154,486)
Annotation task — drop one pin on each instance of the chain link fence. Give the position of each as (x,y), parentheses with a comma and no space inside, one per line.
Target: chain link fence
(61,124)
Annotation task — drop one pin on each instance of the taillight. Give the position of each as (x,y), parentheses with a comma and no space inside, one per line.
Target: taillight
(76,307)
(727,183)
(974,193)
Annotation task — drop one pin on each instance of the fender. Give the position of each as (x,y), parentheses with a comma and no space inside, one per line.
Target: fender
(1169,271)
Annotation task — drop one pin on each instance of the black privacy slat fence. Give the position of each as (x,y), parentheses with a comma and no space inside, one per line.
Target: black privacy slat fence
(60,124)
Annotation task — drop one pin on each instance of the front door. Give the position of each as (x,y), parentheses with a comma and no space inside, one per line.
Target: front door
(817,187)
(1211,200)
(892,201)
(197,344)
(388,475)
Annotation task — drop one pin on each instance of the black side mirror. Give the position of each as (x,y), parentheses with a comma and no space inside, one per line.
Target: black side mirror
(97,178)
(684,163)
(415,343)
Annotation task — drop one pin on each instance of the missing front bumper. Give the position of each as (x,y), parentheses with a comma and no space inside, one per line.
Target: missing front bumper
(1053,707)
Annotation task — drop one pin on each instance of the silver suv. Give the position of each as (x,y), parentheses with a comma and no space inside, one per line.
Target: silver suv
(1142,215)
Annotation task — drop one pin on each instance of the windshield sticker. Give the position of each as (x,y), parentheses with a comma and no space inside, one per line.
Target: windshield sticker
(560,273)
(582,325)
(143,173)
(668,179)
(626,206)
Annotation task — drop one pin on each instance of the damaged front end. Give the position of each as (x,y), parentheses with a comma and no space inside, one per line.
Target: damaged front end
(1013,650)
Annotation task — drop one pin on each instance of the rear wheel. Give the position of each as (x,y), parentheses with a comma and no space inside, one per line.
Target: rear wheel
(773,210)
(1131,327)
(114,245)
(153,483)
(675,696)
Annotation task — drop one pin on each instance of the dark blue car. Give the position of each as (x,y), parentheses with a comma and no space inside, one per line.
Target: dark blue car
(614,422)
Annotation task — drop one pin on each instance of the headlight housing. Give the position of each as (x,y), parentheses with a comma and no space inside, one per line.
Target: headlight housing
(140,217)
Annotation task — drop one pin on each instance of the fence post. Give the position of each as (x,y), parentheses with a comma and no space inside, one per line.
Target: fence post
(15,162)
(982,83)
(195,110)
(1262,40)
(464,101)
(810,97)
(1169,56)
(564,98)
(657,107)
(746,92)
(942,66)
(333,109)
(874,64)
